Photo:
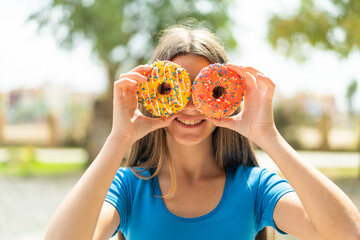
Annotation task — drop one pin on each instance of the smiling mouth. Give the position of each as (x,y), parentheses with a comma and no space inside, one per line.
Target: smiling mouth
(189,122)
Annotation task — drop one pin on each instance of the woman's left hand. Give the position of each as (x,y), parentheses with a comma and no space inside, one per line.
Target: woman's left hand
(256,118)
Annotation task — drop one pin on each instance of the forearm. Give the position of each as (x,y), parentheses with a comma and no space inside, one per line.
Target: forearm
(329,209)
(77,215)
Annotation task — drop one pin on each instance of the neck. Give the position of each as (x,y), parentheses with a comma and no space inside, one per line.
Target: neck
(191,162)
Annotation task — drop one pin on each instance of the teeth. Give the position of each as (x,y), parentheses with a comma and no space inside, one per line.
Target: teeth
(188,122)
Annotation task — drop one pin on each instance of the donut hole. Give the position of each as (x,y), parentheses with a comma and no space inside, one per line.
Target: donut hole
(218,91)
(164,88)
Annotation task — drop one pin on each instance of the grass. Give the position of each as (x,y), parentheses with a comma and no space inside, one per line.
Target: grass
(34,168)
(27,161)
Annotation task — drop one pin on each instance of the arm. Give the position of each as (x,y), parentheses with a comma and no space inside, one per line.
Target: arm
(108,222)
(78,215)
(318,209)
(325,211)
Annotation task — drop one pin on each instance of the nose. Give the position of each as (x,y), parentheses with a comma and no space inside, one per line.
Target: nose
(190,105)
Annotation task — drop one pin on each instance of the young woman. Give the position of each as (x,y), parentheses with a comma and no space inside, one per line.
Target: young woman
(192,177)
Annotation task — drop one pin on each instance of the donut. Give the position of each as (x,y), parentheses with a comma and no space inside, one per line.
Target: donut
(167,89)
(217,91)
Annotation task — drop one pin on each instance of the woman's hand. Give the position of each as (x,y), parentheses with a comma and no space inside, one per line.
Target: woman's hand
(256,119)
(128,121)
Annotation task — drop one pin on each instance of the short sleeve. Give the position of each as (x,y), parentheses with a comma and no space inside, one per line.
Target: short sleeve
(270,188)
(119,195)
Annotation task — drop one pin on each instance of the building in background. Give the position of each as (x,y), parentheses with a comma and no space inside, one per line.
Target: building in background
(313,122)
(48,115)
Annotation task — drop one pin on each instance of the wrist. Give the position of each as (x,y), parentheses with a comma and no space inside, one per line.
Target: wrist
(268,138)
(113,151)
(118,138)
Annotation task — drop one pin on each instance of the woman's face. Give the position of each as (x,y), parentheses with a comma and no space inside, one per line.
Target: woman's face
(190,127)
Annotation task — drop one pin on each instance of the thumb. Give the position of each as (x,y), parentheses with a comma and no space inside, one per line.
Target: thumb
(157,123)
(223,122)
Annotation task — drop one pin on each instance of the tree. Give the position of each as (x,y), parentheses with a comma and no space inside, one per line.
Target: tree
(334,28)
(350,93)
(122,34)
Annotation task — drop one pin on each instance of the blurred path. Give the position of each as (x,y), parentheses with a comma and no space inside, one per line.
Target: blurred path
(26,204)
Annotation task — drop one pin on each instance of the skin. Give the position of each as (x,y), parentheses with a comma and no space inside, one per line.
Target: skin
(318,209)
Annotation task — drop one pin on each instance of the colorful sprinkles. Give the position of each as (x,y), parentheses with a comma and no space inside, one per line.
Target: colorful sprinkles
(212,77)
(165,105)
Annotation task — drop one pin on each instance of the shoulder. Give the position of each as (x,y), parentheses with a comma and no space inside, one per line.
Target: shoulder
(260,179)
(257,175)
(124,174)
(133,173)
(126,184)
(249,173)
(130,176)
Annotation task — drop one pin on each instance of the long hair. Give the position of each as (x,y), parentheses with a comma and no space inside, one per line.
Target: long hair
(230,148)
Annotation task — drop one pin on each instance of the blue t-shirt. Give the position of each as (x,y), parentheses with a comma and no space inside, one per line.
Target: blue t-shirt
(247,205)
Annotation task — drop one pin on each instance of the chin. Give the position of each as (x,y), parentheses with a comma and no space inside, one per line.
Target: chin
(190,140)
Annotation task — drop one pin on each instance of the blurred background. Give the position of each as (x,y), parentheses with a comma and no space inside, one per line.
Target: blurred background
(58,60)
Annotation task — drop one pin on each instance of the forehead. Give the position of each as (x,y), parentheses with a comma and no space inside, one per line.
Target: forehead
(192,64)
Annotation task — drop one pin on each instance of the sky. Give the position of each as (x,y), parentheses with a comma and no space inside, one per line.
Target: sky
(29,58)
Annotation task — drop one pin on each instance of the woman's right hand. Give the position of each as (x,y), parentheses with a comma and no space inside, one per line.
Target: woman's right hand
(128,121)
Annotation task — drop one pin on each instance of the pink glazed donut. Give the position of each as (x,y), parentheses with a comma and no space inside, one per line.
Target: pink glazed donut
(217,91)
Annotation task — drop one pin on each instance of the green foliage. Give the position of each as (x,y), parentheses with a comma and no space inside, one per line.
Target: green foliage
(351,89)
(32,169)
(23,162)
(350,93)
(334,28)
(123,31)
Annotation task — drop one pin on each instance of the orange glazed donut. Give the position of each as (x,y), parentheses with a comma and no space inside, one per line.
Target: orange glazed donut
(166,90)
(217,91)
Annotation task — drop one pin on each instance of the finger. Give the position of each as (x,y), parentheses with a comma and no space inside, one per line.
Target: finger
(142,68)
(133,75)
(162,122)
(250,81)
(233,67)
(238,68)
(251,70)
(126,93)
(125,84)
(224,122)
(267,84)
